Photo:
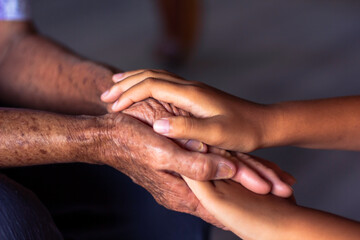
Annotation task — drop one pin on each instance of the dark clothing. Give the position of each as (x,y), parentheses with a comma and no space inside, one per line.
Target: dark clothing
(98,202)
(22,216)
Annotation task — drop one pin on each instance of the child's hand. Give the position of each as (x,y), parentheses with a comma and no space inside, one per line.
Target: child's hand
(220,119)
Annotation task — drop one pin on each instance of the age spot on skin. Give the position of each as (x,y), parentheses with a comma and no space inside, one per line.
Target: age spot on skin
(35,129)
(60,68)
(43,151)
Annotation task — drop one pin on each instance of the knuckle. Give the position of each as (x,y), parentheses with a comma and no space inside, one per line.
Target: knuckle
(149,81)
(188,125)
(193,89)
(183,126)
(192,206)
(116,88)
(149,73)
(202,168)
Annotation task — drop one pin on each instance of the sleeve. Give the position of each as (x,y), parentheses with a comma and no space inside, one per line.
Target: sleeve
(14,10)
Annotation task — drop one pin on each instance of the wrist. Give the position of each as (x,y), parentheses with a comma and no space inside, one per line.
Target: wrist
(83,137)
(273,126)
(101,138)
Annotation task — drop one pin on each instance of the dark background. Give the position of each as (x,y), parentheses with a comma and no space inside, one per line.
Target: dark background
(265,51)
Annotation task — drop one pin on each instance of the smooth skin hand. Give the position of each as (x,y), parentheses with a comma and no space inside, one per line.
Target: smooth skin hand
(228,122)
(267,217)
(218,121)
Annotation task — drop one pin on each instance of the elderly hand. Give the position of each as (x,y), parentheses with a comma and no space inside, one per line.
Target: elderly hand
(155,162)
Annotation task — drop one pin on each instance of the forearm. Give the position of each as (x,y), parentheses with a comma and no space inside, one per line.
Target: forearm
(37,73)
(327,124)
(291,222)
(272,218)
(308,223)
(33,137)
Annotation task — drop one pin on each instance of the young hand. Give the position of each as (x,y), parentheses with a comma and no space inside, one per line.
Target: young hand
(219,119)
(259,175)
(248,215)
(268,217)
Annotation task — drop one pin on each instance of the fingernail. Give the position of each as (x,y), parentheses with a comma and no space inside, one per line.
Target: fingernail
(118,77)
(105,94)
(224,171)
(161,126)
(195,146)
(114,106)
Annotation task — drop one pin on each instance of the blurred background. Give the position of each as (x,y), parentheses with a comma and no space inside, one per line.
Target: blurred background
(265,51)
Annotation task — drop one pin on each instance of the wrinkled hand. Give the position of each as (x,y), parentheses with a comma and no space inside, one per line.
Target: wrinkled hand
(155,162)
(151,160)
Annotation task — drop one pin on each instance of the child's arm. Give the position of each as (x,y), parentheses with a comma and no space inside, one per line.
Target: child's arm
(267,217)
(232,123)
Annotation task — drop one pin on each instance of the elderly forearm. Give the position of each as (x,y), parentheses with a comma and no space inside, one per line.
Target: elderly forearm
(327,124)
(33,137)
(37,73)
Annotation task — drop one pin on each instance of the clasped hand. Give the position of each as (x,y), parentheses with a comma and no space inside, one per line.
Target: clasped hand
(178,122)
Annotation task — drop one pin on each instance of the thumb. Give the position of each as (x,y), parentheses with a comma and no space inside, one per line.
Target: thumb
(183,127)
(202,166)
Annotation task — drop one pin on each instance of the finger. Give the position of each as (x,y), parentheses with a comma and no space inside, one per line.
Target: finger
(111,95)
(201,166)
(138,76)
(121,76)
(182,96)
(250,179)
(204,130)
(284,176)
(202,189)
(288,178)
(192,145)
(206,193)
(279,188)
(219,151)
(134,79)
(245,175)
(130,79)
